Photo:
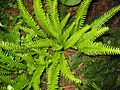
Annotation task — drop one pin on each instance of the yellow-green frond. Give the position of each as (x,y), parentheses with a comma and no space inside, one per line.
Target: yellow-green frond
(76,36)
(39,43)
(9,46)
(64,20)
(98,49)
(53,13)
(81,14)
(29,20)
(44,20)
(105,17)
(92,35)
(35,82)
(21,82)
(67,32)
(40,14)
(53,76)
(27,30)
(65,70)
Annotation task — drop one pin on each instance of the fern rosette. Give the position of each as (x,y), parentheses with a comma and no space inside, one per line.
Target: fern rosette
(42,49)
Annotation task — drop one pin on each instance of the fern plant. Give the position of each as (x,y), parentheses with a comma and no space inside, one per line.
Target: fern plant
(41,50)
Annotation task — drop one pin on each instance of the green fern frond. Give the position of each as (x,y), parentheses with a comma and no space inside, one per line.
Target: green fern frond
(105,17)
(53,14)
(35,82)
(56,17)
(92,35)
(4,72)
(29,20)
(98,49)
(9,46)
(10,62)
(21,82)
(76,36)
(6,79)
(53,72)
(40,14)
(67,33)
(40,43)
(65,20)
(3,66)
(53,76)
(65,70)
(44,21)
(27,30)
(81,14)
(41,59)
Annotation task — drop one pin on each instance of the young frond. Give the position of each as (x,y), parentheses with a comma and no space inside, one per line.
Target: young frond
(29,20)
(64,20)
(99,22)
(67,33)
(98,49)
(76,36)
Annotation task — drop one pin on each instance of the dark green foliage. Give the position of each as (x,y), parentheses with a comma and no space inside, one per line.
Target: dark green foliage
(37,51)
(100,71)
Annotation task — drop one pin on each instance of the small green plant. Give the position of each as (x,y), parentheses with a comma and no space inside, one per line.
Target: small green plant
(25,58)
